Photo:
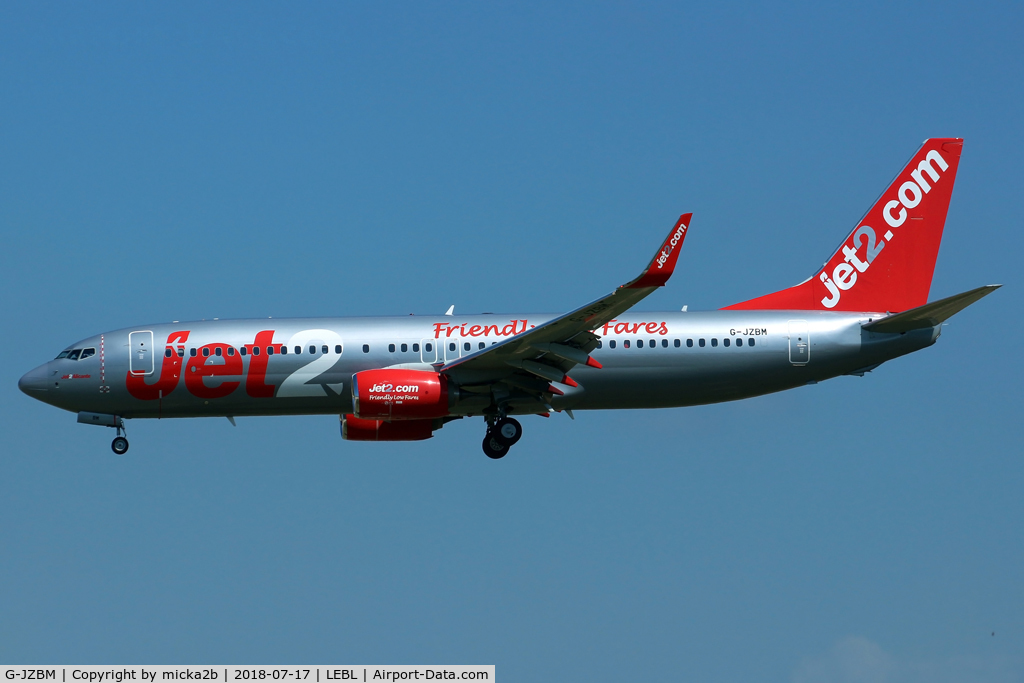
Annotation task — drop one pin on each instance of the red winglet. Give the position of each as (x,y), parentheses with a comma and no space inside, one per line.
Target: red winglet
(552,389)
(593,363)
(569,381)
(664,262)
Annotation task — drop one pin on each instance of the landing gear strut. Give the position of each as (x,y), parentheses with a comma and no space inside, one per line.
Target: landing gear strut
(501,436)
(120,444)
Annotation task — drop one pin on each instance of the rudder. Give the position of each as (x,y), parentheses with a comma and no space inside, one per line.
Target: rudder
(887,262)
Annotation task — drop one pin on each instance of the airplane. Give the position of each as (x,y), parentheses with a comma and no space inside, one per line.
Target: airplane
(403,378)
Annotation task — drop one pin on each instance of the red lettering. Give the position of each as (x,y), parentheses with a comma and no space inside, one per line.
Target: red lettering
(198,368)
(636,326)
(437,329)
(487,330)
(607,325)
(621,328)
(255,384)
(509,329)
(474,331)
(170,369)
(663,329)
(651,328)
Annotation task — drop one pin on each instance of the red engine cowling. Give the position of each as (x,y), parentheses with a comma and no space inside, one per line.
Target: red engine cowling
(356,429)
(395,394)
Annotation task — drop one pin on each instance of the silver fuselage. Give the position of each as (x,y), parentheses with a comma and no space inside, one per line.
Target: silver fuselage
(647,357)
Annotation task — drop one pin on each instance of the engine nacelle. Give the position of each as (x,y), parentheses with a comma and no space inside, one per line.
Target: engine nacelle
(356,429)
(399,394)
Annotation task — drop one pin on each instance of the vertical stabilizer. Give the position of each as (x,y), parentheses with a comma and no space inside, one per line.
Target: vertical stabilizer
(887,262)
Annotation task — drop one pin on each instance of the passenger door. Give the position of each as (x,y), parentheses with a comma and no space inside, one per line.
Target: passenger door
(799,342)
(140,350)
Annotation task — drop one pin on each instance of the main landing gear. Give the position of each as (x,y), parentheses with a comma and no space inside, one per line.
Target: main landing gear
(501,435)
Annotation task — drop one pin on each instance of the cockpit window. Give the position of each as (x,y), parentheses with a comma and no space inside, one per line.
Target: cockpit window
(86,353)
(74,354)
(63,354)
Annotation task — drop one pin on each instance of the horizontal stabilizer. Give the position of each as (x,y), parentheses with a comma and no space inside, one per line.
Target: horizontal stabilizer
(931,314)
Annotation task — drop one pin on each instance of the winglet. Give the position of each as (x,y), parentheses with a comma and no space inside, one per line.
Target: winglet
(664,262)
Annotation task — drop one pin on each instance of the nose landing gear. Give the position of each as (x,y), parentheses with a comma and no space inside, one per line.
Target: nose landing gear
(501,436)
(120,444)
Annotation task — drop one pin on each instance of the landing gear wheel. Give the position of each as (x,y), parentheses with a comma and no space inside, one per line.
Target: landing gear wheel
(509,429)
(119,445)
(494,446)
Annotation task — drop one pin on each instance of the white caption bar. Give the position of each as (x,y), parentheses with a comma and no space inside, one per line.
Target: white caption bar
(236,674)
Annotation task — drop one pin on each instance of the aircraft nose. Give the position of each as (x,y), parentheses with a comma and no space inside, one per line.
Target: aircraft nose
(34,381)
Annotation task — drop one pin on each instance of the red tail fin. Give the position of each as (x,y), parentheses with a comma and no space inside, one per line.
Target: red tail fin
(886,263)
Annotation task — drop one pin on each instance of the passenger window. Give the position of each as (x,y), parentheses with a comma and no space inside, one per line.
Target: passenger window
(451,346)
(63,354)
(324,350)
(675,343)
(231,350)
(750,342)
(725,342)
(391,348)
(192,352)
(75,354)
(466,346)
(625,343)
(270,350)
(655,343)
(600,344)
(611,343)
(481,345)
(312,350)
(700,343)
(86,353)
(337,349)
(168,353)
(429,348)
(416,348)
(218,351)
(639,343)
(255,350)
(181,352)
(206,352)
(689,343)
(284,350)
(714,341)
(739,342)
(242,351)
(298,350)
(664,343)
(366,348)
(405,347)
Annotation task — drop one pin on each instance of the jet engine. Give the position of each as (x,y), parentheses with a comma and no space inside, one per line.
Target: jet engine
(356,429)
(399,394)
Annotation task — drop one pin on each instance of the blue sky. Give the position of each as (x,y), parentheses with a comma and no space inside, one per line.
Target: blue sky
(197,161)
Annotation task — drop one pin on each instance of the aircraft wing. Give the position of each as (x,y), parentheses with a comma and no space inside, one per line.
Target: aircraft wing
(532,360)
